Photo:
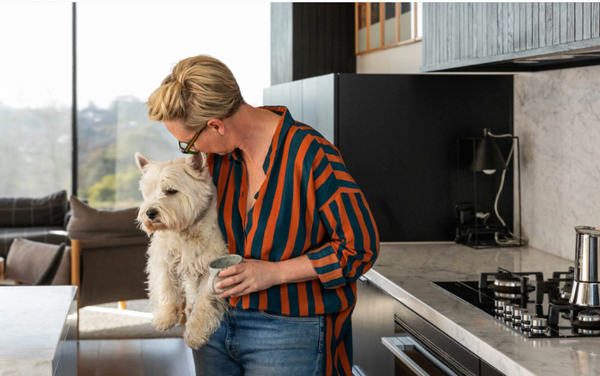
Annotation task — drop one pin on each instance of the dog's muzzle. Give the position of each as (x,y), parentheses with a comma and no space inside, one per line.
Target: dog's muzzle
(151,213)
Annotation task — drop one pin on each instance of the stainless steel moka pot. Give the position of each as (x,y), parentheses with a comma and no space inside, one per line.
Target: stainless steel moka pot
(586,283)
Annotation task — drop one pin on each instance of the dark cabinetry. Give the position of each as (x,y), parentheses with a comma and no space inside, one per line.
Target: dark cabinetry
(377,315)
(373,319)
(397,135)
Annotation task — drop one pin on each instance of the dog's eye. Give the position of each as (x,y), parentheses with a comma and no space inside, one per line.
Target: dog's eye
(171,191)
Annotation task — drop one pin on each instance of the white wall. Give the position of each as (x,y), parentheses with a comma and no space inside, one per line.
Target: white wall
(402,59)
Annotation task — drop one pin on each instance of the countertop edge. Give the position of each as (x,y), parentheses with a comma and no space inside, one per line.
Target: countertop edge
(500,361)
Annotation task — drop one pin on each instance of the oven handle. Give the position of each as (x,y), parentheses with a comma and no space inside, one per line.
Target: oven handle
(397,345)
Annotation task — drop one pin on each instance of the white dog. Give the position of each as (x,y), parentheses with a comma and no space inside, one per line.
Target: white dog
(180,211)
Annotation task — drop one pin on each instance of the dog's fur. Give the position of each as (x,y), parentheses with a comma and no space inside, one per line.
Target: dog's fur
(185,239)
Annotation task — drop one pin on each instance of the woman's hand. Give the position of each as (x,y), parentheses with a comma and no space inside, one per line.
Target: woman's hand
(251,276)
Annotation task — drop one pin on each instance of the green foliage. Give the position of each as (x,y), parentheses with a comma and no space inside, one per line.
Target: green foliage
(119,190)
(102,193)
(35,151)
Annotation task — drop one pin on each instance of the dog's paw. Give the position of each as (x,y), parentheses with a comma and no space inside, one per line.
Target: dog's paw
(195,338)
(165,319)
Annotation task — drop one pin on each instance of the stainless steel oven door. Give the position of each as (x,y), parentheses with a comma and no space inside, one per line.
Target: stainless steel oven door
(414,359)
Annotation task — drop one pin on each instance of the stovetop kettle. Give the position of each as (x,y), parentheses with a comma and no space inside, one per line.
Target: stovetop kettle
(586,283)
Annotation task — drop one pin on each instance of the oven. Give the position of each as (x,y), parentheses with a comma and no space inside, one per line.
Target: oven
(413,358)
(392,340)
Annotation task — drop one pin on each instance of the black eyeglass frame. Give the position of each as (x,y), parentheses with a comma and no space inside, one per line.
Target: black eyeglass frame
(185,147)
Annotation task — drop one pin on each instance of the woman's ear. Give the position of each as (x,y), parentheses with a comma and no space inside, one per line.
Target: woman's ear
(216,125)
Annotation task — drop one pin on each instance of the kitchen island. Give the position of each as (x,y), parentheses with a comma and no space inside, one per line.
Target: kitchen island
(38,330)
(405,272)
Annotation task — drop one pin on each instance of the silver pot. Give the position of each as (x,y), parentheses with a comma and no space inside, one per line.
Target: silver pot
(586,284)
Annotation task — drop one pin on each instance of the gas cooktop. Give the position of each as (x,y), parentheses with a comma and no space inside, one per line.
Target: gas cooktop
(528,304)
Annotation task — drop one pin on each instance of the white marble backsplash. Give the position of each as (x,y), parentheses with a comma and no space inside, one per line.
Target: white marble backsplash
(557,118)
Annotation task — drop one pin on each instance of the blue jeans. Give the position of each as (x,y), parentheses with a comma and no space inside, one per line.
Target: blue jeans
(257,343)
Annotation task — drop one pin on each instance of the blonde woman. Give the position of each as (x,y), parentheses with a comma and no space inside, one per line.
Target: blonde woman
(287,205)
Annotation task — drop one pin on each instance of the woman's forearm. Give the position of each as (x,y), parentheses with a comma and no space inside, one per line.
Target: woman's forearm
(298,269)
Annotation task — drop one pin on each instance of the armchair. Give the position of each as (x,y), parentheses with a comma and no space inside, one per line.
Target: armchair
(108,254)
(33,263)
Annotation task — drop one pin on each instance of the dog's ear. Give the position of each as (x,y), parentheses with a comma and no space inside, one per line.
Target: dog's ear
(197,161)
(141,161)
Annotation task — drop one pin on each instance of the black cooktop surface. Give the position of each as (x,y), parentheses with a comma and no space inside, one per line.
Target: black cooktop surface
(484,300)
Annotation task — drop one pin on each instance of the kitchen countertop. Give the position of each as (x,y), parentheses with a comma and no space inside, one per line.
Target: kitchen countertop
(405,271)
(37,324)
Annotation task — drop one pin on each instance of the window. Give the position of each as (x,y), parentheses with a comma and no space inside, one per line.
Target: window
(125,50)
(35,98)
(389,25)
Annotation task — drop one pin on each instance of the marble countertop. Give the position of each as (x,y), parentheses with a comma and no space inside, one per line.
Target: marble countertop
(32,327)
(406,271)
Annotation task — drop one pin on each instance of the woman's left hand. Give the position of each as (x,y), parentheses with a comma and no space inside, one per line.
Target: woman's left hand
(251,276)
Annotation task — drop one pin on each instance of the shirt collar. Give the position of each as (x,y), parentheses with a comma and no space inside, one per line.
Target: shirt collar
(283,127)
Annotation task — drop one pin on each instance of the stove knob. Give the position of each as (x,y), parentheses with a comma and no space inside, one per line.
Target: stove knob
(500,307)
(508,311)
(518,313)
(539,325)
(539,322)
(526,321)
(518,316)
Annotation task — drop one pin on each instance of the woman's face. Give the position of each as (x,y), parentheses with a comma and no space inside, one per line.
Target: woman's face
(210,140)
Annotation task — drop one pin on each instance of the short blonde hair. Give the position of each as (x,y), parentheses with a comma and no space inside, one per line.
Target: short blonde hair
(198,89)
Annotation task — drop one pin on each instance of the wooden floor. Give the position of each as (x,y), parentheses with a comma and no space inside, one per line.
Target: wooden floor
(135,357)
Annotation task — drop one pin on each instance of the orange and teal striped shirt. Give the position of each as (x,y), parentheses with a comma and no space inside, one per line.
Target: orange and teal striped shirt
(308,205)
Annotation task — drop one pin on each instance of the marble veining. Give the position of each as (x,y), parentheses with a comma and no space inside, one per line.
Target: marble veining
(406,273)
(557,117)
(32,320)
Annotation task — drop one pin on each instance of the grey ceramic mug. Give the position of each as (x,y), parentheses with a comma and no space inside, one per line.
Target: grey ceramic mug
(216,266)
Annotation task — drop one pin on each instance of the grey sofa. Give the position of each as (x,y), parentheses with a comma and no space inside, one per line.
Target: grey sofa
(38,219)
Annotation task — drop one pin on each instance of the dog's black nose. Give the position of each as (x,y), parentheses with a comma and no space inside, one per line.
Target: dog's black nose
(151,213)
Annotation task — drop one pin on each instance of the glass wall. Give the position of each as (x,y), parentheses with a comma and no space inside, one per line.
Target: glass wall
(124,51)
(35,98)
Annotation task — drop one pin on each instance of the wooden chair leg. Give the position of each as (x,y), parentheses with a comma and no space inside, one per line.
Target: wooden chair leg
(76,273)
(122,305)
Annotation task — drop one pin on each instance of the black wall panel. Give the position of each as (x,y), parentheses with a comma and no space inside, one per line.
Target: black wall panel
(323,39)
(398,137)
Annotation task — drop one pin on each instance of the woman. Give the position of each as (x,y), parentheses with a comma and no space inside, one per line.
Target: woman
(286,204)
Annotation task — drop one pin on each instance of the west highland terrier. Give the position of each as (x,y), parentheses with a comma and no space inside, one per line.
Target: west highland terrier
(180,212)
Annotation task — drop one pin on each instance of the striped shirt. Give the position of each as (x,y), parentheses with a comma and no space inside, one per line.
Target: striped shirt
(308,205)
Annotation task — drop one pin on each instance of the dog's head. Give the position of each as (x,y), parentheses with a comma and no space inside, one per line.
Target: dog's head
(176,192)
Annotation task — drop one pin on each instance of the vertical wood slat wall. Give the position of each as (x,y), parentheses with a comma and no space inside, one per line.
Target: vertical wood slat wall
(311,39)
(453,32)
(323,39)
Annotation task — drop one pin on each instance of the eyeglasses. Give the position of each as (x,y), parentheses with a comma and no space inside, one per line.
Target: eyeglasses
(186,147)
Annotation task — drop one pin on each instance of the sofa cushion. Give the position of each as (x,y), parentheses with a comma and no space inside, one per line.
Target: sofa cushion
(87,222)
(52,235)
(45,211)
(27,260)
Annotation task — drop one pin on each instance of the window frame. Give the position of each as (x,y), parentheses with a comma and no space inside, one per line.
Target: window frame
(397,43)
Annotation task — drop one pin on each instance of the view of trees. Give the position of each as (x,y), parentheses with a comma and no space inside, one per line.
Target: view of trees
(36,149)
(115,72)
(35,145)
(108,141)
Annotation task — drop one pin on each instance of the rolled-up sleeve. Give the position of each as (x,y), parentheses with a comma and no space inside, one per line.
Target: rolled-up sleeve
(353,244)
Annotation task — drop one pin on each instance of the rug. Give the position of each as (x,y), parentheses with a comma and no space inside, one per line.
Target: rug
(107,321)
